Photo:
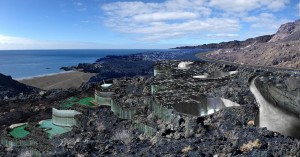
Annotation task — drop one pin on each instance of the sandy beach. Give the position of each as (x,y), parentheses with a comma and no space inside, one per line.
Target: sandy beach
(62,81)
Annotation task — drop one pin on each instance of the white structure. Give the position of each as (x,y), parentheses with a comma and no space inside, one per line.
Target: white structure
(155,72)
(215,75)
(17,125)
(229,103)
(103,98)
(64,117)
(201,76)
(105,85)
(184,65)
(233,72)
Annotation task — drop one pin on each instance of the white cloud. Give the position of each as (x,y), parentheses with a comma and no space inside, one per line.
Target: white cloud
(248,5)
(6,40)
(179,18)
(221,35)
(84,21)
(298,7)
(265,23)
(80,6)
(19,43)
(166,20)
(159,16)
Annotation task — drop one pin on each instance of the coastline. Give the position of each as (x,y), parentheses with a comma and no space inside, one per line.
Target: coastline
(39,76)
(65,80)
(73,79)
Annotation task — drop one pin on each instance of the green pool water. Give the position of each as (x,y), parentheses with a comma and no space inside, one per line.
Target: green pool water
(87,101)
(19,132)
(73,100)
(53,129)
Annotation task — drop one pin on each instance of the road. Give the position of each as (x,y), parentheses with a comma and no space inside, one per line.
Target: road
(203,56)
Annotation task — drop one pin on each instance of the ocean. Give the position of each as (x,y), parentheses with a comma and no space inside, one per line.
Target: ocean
(21,64)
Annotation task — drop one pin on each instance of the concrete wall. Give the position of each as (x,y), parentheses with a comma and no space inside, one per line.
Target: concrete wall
(278,97)
(123,113)
(161,71)
(146,129)
(13,143)
(64,117)
(161,111)
(103,98)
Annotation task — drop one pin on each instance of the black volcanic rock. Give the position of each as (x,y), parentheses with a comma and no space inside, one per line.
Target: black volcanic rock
(11,88)
(68,68)
(86,67)
(116,66)
(92,68)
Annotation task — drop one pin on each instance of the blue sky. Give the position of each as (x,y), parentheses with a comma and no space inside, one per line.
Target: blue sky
(105,24)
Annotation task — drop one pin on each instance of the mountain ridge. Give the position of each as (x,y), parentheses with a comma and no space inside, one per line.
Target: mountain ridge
(281,50)
(231,44)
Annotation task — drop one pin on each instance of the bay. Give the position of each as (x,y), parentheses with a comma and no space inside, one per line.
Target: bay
(21,64)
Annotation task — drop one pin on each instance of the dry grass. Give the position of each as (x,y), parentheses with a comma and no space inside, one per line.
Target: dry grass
(250,123)
(250,146)
(186,149)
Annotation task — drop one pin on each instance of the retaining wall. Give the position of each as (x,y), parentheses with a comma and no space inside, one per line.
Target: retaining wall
(103,98)
(146,129)
(281,98)
(123,113)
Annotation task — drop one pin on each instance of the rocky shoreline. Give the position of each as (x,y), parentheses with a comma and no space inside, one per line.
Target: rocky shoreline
(131,65)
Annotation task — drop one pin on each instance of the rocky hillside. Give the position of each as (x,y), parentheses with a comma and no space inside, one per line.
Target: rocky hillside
(287,32)
(282,50)
(11,88)
(231,44)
